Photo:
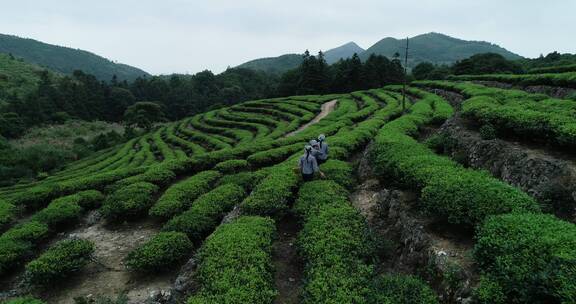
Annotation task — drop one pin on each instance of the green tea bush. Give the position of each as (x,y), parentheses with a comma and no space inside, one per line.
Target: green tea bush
(206,212)
(59,261)
(247,180)
(155,175)
(235,263)
(460,195)
(273,156)
(340,172)
(17,243)
(180,196)
(531,257)
(334,243)
(25,300)
(273,194)
(488,132)
(467,197)
(7,214)
(59,212)
(164,251)
(401,289)
(129,202)
(68,209)
(232,166)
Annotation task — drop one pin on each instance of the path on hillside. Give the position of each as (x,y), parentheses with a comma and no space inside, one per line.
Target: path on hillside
(326,109)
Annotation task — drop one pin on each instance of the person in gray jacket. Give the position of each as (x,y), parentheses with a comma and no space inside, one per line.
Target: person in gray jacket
(322,150)
(308,165)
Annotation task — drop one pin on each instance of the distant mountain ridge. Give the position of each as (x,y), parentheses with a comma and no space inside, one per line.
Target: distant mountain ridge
(66,60)
(431,47)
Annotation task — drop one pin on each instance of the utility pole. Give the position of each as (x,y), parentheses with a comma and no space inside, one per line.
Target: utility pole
(405,78)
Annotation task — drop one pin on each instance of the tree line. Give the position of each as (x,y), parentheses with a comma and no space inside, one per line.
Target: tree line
(83,96)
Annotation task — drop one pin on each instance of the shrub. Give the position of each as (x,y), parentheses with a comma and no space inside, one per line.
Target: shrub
(68,209)
(235,263)
(489,292)
(273,156)
(340,172)
(232,166)
(129,202)
(488,132)
(7,213)
(30,231)
(272,195)
(401,289)
(247,180)
(12,252)
(155,175)
(180,196)
(163,251)
(206,212)
(17,243)
(467,197)
(25,300)
(334,244)
(532,257)
(60,260)
(59,212)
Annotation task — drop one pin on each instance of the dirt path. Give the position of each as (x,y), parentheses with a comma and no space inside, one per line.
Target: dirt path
(108,275)
(326,109)
(289,267)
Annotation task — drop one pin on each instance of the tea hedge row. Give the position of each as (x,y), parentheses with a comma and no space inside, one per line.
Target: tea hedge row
(59,261)
(179,196)
(235,263)
(560,79)
(462,196)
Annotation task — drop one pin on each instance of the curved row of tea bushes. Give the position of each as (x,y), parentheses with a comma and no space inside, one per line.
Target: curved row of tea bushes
(462,196)
(524,256)
(558,79)
(189,147)
(334,244)
(165,151)
(179,196)
(8,213)
(132,201)
(232,136)
(235,263)
(206,212)
(519,120)
(520,113)
(167,249)
(163,252)
(59,261)
(18,243)
(213,142)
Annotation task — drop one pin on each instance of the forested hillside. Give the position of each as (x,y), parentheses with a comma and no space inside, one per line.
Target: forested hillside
(66,60)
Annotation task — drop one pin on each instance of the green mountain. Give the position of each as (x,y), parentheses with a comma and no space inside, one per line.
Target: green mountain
(66,60)
(435,48)
(274,65)
(281,64)
(342,52)
(432,47)
(17,78)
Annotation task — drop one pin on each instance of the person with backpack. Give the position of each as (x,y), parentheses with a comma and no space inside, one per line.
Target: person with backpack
(307,164)
(322,149)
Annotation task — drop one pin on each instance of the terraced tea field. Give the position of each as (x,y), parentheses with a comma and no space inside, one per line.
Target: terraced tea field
(468,194)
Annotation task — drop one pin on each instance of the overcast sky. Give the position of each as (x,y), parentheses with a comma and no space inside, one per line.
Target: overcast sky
(178,36)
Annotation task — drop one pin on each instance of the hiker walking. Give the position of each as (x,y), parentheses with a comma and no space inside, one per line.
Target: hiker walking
(322,150)
(308,165)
